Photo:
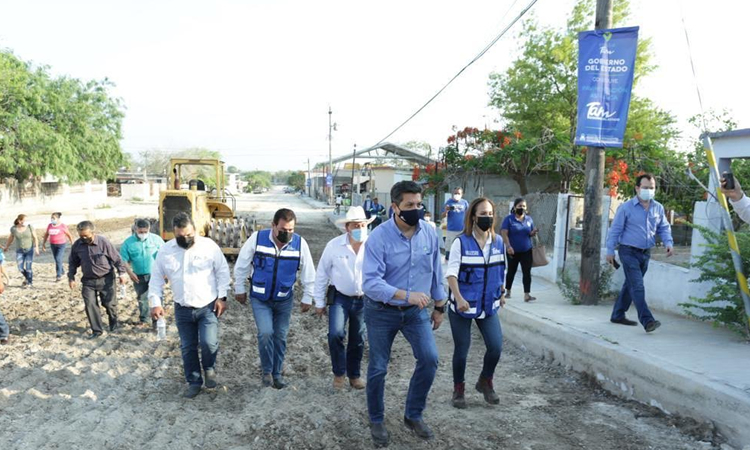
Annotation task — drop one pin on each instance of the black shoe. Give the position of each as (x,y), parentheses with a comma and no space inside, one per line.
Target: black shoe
(379,434)
(192,391)
(279,383)
(419,427)
(653,325)
(114,326)
(211,379)
(95,335)
(266,380)
(624,321)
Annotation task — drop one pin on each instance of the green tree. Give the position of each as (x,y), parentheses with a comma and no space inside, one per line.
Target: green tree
(61,126)
(538,97)
(257,179)
(233,169)
(297,180)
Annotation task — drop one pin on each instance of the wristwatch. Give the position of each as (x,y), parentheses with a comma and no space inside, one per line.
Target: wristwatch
(440,309)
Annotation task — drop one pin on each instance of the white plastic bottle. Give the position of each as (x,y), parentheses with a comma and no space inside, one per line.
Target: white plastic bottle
(161,329)
(123,292)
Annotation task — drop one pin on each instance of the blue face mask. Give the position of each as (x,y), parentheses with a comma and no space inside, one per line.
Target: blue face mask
(359,234)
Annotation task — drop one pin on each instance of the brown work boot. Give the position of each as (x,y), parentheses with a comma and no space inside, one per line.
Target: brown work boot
(458,400)
(357,383)
(484,385)
(338,382)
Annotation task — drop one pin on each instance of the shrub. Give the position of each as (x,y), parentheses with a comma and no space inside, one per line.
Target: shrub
(723,302)
(571,290)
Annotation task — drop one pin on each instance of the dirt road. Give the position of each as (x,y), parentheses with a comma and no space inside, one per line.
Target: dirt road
(60,390)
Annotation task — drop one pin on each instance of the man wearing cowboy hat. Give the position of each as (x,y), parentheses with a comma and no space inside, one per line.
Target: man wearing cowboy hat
(338,283)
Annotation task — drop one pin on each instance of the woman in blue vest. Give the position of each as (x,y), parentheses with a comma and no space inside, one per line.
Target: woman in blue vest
(476,273)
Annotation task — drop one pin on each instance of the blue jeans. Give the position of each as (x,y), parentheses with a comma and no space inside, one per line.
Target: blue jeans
(197,326)
(58,251)
(383,323)
(24,260)
(272,319)
(4,328)
(493,340)
(635,265)
(346,360)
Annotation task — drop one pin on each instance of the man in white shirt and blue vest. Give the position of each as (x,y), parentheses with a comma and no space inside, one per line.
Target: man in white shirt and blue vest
(338,283)
(199,277)
(270,260)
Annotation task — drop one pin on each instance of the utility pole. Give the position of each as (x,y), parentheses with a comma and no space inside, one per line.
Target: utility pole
(309,179)
(354,160)
(591,244)
(331,127)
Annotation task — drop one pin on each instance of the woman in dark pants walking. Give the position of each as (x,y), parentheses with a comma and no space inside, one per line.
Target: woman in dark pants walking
(475,274)
(517,230)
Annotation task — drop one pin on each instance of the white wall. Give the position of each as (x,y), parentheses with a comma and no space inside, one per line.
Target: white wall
(86,195)
(143,191)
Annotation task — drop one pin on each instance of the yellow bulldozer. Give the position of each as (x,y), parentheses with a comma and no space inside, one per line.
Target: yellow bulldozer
(212,208)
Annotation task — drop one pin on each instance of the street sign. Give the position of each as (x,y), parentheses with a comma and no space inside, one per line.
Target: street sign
(309,182)
(329,180)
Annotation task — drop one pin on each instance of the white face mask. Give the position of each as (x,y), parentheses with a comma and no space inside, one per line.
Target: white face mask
(359,234)
(142,236)
(457,197)
(647,194)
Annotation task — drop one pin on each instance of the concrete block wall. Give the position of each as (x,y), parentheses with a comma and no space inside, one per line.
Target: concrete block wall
(86,195)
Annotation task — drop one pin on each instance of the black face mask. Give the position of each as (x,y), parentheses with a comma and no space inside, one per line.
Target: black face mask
(284,236)
(87,240)
(520,211)
(185,241)
(484,223)
(411,216)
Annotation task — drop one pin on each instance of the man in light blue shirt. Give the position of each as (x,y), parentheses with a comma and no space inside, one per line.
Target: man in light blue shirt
(636,224)
(402,272)
(140,251)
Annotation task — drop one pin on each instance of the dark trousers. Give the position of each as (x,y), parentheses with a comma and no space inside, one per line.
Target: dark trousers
(493,341)
(634,265)
(58,251)
(141,290)
(102,290)
(525,259)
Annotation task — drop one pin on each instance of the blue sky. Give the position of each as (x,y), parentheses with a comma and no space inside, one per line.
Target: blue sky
(254,79)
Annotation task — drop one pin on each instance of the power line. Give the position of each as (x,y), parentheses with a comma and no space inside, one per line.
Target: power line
(476,58)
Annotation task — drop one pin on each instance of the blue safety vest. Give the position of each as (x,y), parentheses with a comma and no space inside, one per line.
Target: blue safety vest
(274,275)
(480,281)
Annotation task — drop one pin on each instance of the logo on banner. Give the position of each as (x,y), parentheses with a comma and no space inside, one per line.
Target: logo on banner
(597,112)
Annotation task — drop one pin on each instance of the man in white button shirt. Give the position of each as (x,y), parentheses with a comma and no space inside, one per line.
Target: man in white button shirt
(338,282)
(199,276)
(270,259)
